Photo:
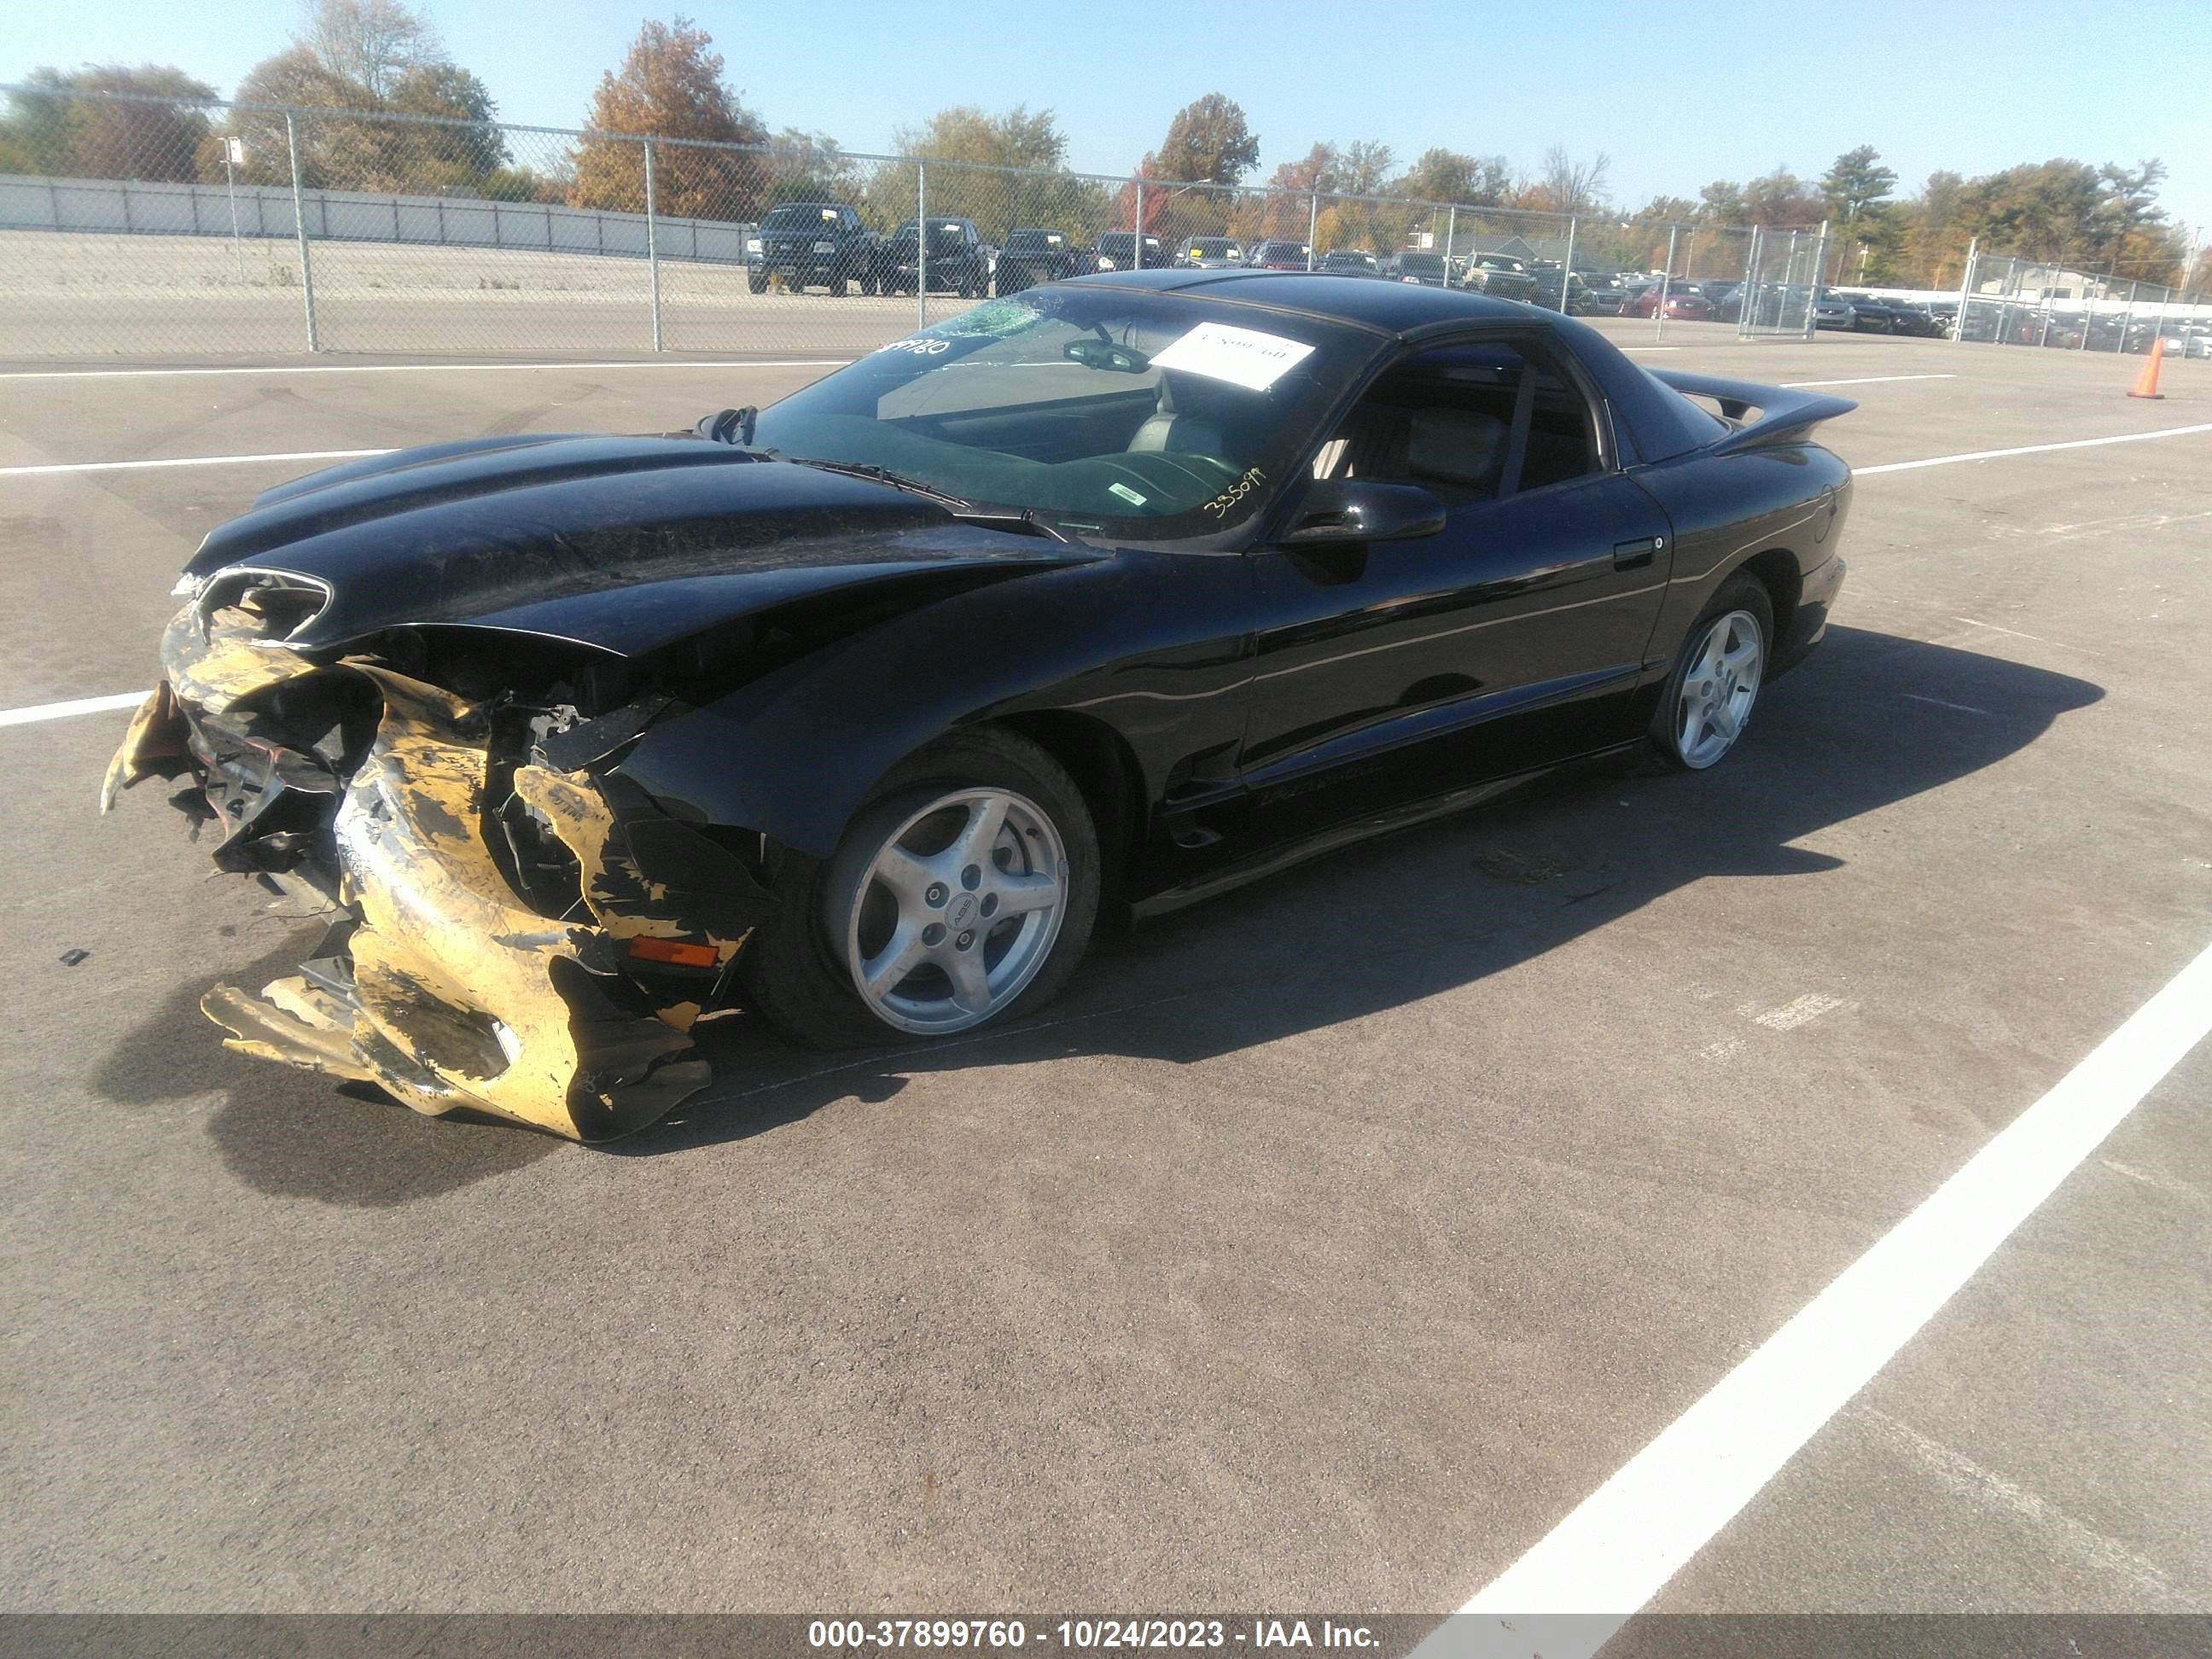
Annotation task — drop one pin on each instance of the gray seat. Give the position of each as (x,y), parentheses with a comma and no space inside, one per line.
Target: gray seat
(1457,453)
(1170,433)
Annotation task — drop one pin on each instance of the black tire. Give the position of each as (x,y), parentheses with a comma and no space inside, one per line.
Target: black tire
(1741,593)
(756,281)
(794,969)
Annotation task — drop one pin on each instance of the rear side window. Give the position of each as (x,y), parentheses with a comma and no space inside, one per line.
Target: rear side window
(1470,423)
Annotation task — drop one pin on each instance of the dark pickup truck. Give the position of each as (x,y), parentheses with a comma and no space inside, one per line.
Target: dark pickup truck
(960,261)
(813,245)
(1033,255)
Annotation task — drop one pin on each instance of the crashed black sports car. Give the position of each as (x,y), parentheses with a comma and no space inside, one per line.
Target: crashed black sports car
(857,711)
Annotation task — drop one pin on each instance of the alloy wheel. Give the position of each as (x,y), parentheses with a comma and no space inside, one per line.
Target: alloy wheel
(957,911)
(1717,689)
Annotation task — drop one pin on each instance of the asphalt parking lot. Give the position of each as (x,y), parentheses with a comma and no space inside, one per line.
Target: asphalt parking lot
(1324,1247)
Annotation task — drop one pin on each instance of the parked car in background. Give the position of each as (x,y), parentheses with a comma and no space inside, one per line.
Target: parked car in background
(960,261)
(1033,255)
(1833,310)
(1415,266)
(1685,303)
(1872,316)
(1281,256)
(1349,262)
(813,245)
(1501,277)
(1117,250)
(1598,295)
(1210,254)
(1914,319)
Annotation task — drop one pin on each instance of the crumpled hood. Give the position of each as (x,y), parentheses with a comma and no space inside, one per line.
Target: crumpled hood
(625,543)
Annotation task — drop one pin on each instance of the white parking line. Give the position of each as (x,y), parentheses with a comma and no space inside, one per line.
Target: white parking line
(409,369)
(62,711)
(187,461)
(1868,380)
(2032,449)
(1624,1542)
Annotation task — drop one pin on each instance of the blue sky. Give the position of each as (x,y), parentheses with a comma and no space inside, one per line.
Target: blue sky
(1678,95)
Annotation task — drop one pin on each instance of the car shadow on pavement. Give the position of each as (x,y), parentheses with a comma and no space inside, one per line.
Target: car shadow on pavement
(292,1133)
(1870,719)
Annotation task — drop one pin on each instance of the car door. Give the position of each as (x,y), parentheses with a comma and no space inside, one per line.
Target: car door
(1510,639)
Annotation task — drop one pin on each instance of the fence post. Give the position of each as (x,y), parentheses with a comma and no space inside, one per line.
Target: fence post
(1566,267)
(2128,317)
(1313,228)
(1666,278)
(921,245)
(1966,287)
(1137,237)
(1451,241)
(1747,301)
(1819,277)
(299,229)
(652,245)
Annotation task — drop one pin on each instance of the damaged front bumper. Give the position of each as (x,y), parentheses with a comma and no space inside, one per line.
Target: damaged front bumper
(368,790)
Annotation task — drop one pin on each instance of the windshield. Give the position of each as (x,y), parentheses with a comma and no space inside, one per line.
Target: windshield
(1115,412)
(1213,247)
(800,218)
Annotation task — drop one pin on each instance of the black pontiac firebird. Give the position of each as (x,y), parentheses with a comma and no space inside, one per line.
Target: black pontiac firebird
(857,711)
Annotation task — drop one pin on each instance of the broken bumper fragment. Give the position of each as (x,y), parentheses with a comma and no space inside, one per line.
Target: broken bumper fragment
(440,981)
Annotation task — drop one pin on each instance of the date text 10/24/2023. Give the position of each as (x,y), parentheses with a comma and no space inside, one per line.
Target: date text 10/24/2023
(1087,1635)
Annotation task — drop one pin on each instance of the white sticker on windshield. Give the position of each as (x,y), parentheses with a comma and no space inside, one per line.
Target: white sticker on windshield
(1243,356)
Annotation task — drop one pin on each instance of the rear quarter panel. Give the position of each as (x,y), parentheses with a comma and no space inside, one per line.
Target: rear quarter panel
(1729,510)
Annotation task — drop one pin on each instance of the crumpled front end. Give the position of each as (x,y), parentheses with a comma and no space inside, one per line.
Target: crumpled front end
(514,931)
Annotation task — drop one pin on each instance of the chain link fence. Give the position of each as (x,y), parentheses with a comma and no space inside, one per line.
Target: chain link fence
(2005,300)
(142,227)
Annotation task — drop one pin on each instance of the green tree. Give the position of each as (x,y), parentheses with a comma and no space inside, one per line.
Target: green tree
(2128,205)
(1446,175)
(50,129)
(1021,137)
(446,155)
(1721,203)
(670,86)
(1208,143)
(1855,182)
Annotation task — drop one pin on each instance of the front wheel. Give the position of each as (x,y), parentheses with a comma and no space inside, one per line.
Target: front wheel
(1717,679)
(966,888)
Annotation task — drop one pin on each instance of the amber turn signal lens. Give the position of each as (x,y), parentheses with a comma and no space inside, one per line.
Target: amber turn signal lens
(668,950)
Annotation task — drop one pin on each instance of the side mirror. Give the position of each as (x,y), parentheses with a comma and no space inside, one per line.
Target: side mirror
(1340,511)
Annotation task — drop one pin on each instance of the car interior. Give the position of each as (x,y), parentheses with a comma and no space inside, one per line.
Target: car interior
(1468,423)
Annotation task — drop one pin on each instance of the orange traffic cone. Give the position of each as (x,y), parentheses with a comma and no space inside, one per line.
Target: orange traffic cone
(2146,382)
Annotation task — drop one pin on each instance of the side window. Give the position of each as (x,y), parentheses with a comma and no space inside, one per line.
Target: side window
(1471,422)
(851,219)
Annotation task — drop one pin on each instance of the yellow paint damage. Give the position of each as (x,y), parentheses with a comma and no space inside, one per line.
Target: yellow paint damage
(455,1003)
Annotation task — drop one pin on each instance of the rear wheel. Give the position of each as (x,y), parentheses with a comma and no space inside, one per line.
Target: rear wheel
(966,889)
(756,281)
(1717,678)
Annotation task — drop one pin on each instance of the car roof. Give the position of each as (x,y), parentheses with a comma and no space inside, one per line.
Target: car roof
(1396,306)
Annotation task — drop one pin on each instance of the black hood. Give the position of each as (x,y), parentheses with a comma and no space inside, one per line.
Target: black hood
(621,542)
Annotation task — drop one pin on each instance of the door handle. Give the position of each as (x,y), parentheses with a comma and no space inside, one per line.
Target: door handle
(1631,556)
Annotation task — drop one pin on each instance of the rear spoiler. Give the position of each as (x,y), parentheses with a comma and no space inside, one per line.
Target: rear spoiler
(1784,415)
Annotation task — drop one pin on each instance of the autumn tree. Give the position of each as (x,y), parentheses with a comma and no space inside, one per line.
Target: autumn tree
(50,129)
(670,86)
(1781,197)
(1208,143)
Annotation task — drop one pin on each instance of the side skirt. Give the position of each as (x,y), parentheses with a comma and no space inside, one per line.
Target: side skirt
(1352,831)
